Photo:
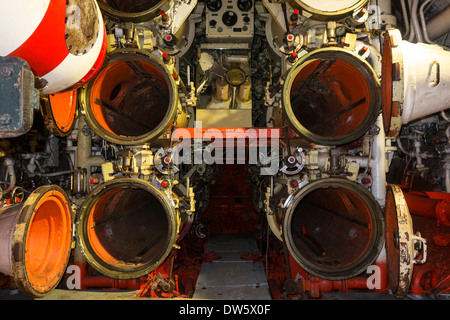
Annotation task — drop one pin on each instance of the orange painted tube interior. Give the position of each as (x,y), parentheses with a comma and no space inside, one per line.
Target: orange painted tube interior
(48,241)
(130,98)
(63,107)
(333,103)
(332,228)
(128,228)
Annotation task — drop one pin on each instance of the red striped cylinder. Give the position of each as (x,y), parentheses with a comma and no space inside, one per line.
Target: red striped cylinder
(51,36)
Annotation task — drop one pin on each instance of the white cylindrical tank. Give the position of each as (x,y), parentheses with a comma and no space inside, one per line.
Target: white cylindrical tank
(415,83)
(64,42)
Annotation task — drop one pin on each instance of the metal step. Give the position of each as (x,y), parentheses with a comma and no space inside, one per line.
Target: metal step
(231,277)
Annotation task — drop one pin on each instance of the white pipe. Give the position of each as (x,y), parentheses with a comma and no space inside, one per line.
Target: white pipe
(378,164)
(402,148)
(423,22)
(405,17)
(362,161)
(447,173)
(415,20)
(444,115)
(9,163)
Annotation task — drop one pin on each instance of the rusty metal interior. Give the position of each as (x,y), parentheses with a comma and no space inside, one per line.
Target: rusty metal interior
(119,179)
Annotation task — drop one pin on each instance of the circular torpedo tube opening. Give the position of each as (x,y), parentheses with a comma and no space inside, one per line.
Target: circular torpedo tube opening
(334,229)
(39,241)
(331,96)
(127,228)
(132,100)
(329,9)
(132,10)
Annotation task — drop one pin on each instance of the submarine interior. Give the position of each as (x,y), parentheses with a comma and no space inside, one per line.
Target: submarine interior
(225,149)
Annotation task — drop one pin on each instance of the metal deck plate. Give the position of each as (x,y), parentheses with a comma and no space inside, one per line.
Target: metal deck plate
(230,277)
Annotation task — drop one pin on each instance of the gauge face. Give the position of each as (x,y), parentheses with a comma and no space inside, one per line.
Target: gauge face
(330,5)
(214,5)
(244,5)
(229,18)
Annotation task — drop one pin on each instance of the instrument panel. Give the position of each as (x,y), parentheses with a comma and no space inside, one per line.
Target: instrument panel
(228,20)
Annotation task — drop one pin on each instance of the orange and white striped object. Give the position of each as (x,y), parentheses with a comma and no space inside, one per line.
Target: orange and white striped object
(63,41)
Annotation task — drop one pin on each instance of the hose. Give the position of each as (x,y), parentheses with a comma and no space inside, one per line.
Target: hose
(9,163)
(422,20)
(405,17)
(415,20)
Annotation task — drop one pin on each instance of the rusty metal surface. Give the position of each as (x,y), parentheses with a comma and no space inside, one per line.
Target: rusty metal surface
(8,219)
(19,97)
(399,242)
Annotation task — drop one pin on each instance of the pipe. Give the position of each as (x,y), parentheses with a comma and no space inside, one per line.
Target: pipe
(422,20)
(378,164)
(85,159)
(36,239)
(439,24)
(316,286)
(405,17)
(9,163)
(333,228)
(127,228)
(87,281)
(362,161)
(422,204)
(415,21)
(416,288)
(447,169)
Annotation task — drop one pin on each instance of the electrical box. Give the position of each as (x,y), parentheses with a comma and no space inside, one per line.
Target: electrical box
(19,97)
(230,20)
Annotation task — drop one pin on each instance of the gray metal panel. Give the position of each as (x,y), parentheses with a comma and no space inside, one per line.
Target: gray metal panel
(232,278)
(18,95)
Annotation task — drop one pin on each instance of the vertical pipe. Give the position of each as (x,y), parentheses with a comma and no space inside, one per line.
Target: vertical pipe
(415,20)
(85,159)
(378,164)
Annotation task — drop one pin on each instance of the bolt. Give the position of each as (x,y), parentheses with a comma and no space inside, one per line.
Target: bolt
(7,71)
(5,119)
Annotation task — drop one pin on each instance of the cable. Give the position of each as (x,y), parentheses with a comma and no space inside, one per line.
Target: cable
(405,17)
(422,20)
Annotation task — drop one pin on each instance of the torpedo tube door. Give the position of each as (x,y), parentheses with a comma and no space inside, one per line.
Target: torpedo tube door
(403,247)
(59,112)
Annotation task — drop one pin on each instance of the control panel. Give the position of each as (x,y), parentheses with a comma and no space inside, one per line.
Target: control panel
(229,20)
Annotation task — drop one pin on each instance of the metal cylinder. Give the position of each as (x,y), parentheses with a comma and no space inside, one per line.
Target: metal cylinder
(133,99)
(35,240)
(245,91)
(415,84)
(334,229)
(432,205)
(127,228)
(331,96)
(132,10)
(222,92)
